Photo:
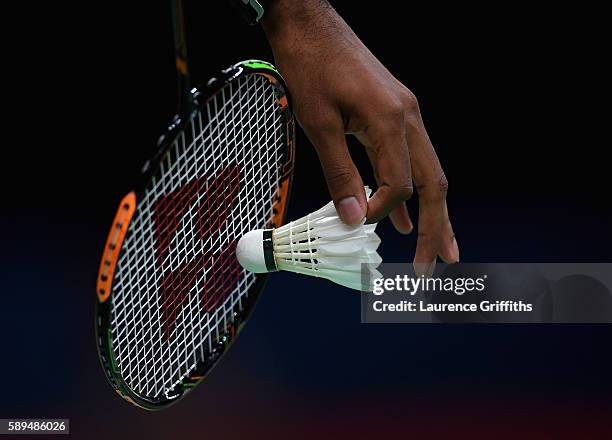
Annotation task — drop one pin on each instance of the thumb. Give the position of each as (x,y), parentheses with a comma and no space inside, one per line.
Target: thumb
(343,179)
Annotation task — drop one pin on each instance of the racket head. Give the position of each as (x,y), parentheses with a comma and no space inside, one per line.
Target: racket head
(171,296)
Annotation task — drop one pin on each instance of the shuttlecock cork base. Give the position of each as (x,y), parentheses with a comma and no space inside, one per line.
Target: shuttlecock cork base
(319,245)
(255,251)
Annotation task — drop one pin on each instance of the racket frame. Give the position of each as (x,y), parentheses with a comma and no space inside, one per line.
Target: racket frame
(197,100)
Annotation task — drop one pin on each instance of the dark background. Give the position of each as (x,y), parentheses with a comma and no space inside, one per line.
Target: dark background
(510,98)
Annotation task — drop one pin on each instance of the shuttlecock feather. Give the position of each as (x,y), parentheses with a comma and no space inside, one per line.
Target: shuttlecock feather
(319,245)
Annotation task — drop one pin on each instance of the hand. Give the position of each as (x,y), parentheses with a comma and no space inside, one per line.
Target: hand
(339,87)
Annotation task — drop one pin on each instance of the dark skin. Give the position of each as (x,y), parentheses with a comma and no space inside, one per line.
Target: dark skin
(339,87)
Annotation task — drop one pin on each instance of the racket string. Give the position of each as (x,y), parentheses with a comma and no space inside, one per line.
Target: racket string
(153,362)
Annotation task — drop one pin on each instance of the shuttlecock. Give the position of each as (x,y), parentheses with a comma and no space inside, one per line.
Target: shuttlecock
(319,245)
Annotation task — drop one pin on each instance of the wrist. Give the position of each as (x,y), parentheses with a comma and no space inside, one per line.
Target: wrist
(285,22)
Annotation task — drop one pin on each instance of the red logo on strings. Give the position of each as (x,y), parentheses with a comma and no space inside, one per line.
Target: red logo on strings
(217,197)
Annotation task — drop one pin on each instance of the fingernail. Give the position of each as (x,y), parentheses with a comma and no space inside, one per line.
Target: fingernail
(407,230)
(431,268)
(455,250)
(424,269)
(349,210)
